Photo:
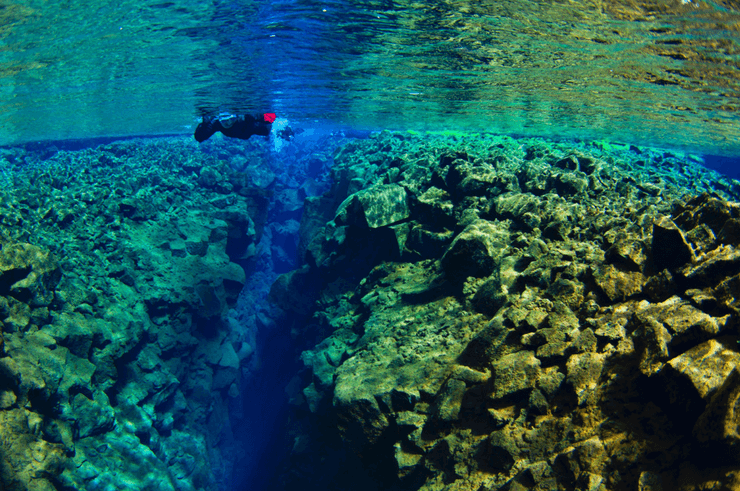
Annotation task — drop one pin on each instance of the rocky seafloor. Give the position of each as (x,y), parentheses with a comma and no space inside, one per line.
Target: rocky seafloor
(470,312)
(489,313)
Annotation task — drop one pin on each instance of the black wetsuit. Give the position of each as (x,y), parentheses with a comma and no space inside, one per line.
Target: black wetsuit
(243,127)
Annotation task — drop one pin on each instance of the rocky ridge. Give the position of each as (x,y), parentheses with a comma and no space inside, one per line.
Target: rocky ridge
(488,313)
(120,357)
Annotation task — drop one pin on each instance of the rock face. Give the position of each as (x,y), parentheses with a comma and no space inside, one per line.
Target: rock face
(550,316)
(117,364)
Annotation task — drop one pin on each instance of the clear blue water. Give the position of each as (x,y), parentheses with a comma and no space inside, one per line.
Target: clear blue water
(663,73)
(651,72)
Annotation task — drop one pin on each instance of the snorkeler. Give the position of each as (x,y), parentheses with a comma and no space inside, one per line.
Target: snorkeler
(239,126)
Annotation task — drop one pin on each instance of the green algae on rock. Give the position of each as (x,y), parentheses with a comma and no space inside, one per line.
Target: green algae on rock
(536,331)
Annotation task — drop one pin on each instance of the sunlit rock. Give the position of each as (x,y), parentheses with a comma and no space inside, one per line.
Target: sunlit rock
(475,250)
(374,207)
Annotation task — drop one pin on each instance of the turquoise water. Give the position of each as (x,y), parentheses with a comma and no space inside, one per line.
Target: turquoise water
(663,73)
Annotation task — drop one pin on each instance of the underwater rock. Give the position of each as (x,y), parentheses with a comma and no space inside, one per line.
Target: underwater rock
(434,206)
(669,246)
(490,296)
(524,208)
(718,424)
(448,401)
(375,207)
(514,373)
(474,251)
(359,420)
(427,242)
(583,374)
(302,282)
(92,416)
(583,462)
(602,281)
(693,377)
(618,285)
(116,274)
(28,460)
(28,273)
(317,211)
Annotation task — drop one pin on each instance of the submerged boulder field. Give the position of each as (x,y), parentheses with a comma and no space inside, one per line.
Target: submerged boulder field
(488,313)
(471,312)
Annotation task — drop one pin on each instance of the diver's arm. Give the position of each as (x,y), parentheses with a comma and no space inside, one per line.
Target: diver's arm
(206,129)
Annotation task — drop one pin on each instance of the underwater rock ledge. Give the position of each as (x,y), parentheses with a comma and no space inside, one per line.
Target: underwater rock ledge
(487,313)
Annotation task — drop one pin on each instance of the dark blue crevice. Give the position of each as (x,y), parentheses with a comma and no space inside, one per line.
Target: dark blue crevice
(729,166)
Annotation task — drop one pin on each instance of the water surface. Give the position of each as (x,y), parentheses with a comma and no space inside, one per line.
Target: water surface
(658,72)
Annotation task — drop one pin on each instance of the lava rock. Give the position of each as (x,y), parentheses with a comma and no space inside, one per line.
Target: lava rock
(693,377)
(475,250)
(669,247)
(28,273)
(583,374)
(515,373)
(375,207)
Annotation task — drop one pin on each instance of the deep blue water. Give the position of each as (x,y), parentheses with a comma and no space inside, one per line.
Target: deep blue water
(729,166)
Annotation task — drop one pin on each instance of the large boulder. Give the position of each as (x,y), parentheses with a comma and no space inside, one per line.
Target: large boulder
(28,273)
(515,373)
(670,249)
(692,378)
(476,249)
(375,207)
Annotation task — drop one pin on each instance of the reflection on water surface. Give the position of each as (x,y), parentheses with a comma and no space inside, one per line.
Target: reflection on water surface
(661,72)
